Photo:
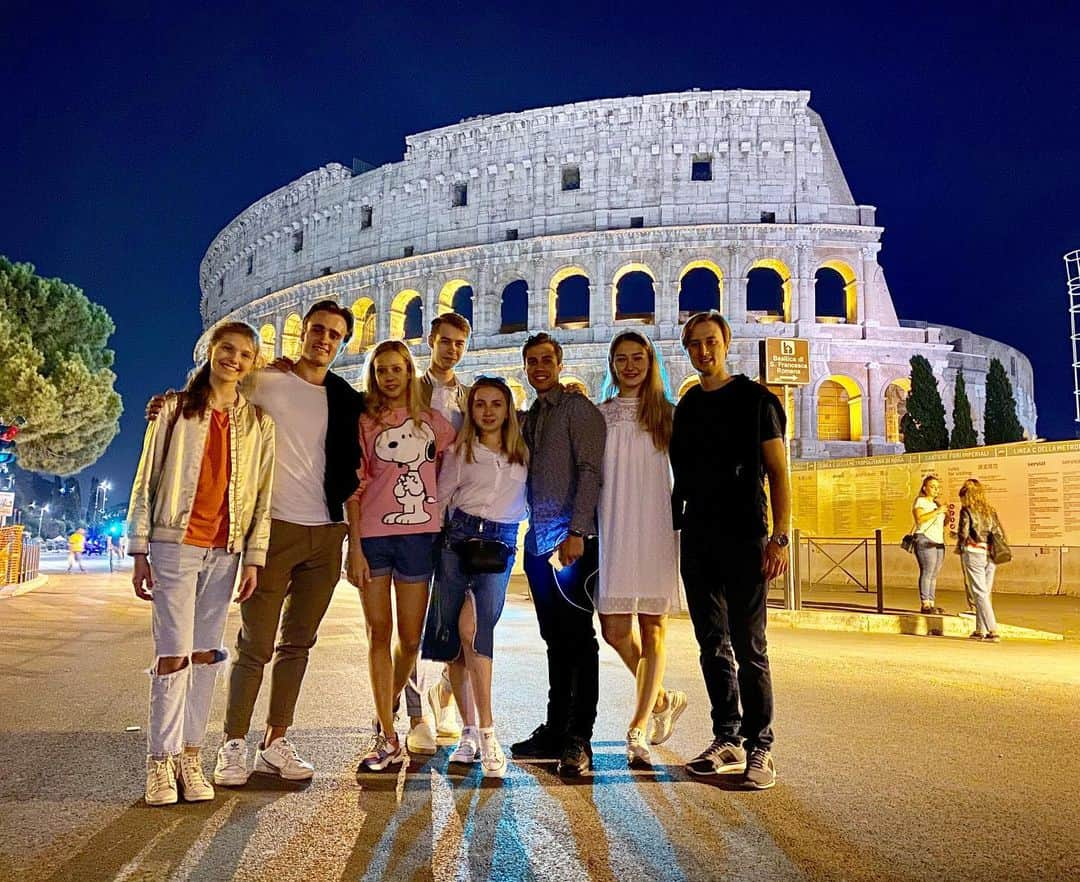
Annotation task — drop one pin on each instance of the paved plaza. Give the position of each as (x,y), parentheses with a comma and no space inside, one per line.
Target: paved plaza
(899,758)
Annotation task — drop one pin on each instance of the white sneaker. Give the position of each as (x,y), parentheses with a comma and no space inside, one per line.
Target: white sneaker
(468,749)
(383,754)
(280,758)
(231,768)
(663,723)
(192,779)
(492,758)
(421,738)
(446,723)
(161,781)
(637,748)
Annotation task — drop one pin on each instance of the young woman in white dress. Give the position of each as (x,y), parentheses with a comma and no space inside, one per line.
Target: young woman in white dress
(639,564)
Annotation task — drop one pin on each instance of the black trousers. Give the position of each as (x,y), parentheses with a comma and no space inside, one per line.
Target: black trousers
(564,612)
(726,593)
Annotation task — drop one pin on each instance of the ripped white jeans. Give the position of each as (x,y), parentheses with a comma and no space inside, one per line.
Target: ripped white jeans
(192,590)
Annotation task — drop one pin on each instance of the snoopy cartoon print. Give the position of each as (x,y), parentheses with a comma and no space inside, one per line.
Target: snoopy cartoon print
(410,446)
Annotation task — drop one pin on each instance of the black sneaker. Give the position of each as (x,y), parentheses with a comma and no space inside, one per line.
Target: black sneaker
(719,757)
(576,760)
(544,743)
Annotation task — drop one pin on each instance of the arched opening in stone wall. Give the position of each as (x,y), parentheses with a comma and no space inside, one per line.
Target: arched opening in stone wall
(568,298)
(688,384)
(457,296)
(768,291)
(896,394)
(700,288)
(574,384)
(407,316)
(835,293)
(633,294)
(518,392)
(267,343)
(290,336)
(839,410)
(514,307)
(363,310)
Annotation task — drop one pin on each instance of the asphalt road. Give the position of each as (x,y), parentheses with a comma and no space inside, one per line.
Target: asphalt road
(898,757)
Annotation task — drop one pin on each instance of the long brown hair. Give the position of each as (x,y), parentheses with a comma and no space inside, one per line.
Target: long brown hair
(196,395)
(654,410)
(377,404)
(513,443)
(973,497)
(925,481)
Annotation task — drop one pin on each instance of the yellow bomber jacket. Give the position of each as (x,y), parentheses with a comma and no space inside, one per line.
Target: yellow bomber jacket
(165,482)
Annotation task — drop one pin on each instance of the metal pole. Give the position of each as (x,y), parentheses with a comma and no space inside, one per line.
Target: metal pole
(880,577)
(796,571)
(790,601)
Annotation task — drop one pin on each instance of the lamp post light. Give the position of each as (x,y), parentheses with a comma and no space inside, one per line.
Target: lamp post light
(41,519)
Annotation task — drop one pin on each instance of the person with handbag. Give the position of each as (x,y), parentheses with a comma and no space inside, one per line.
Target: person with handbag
(482,490)
(981,544)
(928,541)
(393,527)
(199,511)
(639,550)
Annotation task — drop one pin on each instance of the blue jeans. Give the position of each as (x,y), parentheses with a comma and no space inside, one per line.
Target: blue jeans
(442,642)
(930,556)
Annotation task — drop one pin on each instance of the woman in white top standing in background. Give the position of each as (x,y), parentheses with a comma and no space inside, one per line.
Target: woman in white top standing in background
(639,564)
(482,487)
(929,515)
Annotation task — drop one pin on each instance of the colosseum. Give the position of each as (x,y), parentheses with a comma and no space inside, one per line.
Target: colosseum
(591,217)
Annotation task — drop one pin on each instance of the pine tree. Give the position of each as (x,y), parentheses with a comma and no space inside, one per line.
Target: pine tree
(923,426)
(1001,425)
(963,432)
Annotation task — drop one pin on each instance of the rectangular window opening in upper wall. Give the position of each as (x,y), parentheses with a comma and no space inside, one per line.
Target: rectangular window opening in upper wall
(571,177)
(637,222)
(250,263)
(298,241)
(511,235)
(701,167)
(459,196)
(365,216)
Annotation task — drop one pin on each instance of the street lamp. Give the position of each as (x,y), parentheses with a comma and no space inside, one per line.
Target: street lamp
(103,488)
(41,519)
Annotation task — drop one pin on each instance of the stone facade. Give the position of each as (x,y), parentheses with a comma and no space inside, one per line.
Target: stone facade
(659,185)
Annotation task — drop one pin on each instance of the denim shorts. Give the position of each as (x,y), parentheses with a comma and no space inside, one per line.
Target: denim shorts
(409,558)
(442,642)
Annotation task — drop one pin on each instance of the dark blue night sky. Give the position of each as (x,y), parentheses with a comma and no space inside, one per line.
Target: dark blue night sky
(131,135)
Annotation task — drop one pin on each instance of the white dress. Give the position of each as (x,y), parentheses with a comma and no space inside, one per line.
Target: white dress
(639,550)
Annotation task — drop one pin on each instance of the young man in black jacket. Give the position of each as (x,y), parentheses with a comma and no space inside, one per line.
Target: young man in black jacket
(728,436)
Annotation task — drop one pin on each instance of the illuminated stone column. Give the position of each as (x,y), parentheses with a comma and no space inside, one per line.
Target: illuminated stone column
(874,407)
(868,270)
(538,297)
(734,297)
(804,299)
(666,289)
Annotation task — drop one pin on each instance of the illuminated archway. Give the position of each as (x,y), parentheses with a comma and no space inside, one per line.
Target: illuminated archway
(407,315)
(896,394)
(456,296)
(768,290)
(701,288)
(518,392)
(267,343)
(363,310)
(290,336)
(568,298)
(633,294)
(850,307)
(839,409)
(688,384)
(514,307)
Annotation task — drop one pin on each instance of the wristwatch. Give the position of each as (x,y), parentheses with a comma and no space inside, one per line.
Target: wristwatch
(781,539)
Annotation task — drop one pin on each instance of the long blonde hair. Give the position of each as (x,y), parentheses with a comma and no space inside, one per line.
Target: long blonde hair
(513,443)
(377,405)
(973,497)
(654,409)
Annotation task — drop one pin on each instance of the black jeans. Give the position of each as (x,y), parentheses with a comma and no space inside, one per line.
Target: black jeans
(564,611)
(726,593)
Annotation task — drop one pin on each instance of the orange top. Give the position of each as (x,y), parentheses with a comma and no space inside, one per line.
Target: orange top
(208,526)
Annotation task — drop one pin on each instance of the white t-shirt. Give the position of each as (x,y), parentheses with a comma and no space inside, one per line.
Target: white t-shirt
(933,529)
(299,411)
(491,487)
(444,401)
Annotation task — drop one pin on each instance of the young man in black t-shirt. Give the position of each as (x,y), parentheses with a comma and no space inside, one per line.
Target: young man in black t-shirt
(728,436)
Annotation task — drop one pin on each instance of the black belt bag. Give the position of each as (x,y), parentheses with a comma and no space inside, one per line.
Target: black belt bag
(481,556)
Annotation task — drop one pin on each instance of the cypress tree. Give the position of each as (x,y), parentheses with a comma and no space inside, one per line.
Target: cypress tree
(963,432)
(923,425)
(1001,425)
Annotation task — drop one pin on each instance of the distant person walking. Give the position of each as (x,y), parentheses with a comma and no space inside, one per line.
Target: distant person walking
(978,523)
(76,547)
(929,515)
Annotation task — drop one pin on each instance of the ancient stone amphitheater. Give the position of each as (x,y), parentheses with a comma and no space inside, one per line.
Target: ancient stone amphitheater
(591,217)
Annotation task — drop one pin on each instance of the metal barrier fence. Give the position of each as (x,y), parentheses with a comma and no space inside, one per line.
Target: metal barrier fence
(20,556)
(853,562)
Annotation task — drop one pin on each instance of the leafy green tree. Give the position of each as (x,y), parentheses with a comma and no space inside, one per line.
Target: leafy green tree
(55,371)
(963,432)
(1001,425)
(923,426)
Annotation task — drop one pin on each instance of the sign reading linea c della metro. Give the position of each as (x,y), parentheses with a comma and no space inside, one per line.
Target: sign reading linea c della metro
(785,361)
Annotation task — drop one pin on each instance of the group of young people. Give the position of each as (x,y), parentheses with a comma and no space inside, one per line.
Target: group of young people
(265,474)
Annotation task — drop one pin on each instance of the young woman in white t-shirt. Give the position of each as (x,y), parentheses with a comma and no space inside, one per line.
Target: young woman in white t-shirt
(929,515)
